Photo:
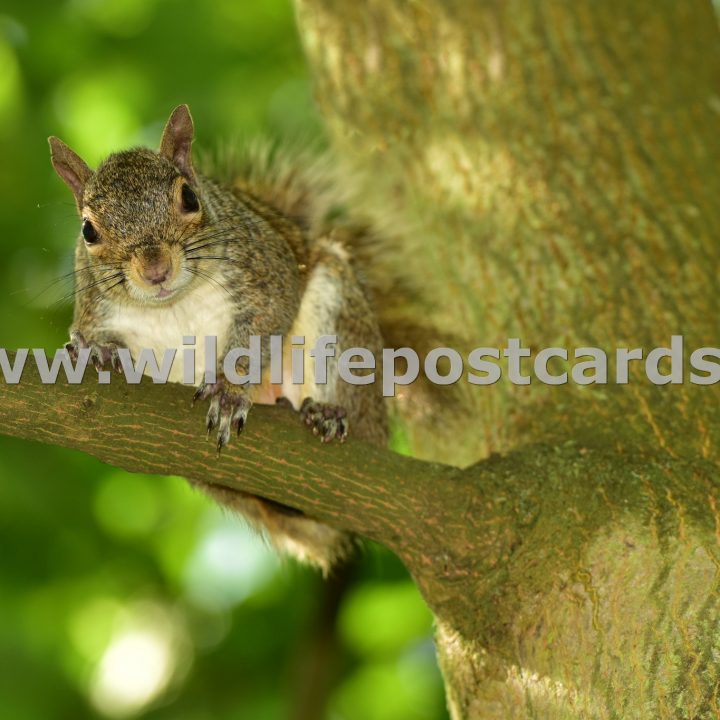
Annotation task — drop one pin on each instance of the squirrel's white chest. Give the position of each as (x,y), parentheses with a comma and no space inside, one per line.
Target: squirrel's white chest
(206,311)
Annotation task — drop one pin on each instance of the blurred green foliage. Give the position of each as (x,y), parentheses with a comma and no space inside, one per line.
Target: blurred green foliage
(124,595)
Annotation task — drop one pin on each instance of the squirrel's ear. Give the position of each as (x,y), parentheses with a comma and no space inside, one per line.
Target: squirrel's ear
(176,140)
(70,167)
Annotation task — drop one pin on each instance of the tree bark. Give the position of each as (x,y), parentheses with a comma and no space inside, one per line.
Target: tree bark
(557,165)
(550,173)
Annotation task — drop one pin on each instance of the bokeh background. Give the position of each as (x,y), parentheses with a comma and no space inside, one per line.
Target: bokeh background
(131,596)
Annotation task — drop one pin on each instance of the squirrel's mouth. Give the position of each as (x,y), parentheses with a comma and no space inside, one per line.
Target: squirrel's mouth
(155,273)
(160,291)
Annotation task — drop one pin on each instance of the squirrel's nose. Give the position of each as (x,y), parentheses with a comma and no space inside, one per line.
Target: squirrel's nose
(157,273)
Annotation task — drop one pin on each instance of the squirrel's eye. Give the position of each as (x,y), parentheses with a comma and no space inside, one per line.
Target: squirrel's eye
(89,232)
(190,202)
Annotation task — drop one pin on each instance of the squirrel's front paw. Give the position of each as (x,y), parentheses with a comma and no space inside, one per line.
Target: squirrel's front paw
(326,421)
(228,411)
(100,355)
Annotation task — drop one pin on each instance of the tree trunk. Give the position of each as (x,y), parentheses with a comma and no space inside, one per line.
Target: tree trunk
(551,174)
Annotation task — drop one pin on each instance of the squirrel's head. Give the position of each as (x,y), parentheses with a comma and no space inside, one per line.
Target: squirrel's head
(138,212)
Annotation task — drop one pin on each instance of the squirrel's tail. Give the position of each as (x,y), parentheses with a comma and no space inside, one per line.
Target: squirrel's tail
(290,531)
(297,178)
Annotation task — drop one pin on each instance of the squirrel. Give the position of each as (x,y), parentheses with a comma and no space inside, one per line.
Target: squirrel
(165,252)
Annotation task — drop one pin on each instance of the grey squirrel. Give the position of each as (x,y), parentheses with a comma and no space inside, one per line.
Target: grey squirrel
(165,252)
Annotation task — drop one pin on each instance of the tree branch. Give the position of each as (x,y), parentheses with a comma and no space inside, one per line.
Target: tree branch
(154,429)
(408,505)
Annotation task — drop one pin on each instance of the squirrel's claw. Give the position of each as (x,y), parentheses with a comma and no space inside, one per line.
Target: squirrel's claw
(328,422)
(228,411)
(212,418)
(100,355)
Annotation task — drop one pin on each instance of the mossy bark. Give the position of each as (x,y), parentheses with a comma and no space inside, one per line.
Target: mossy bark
(550,172)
